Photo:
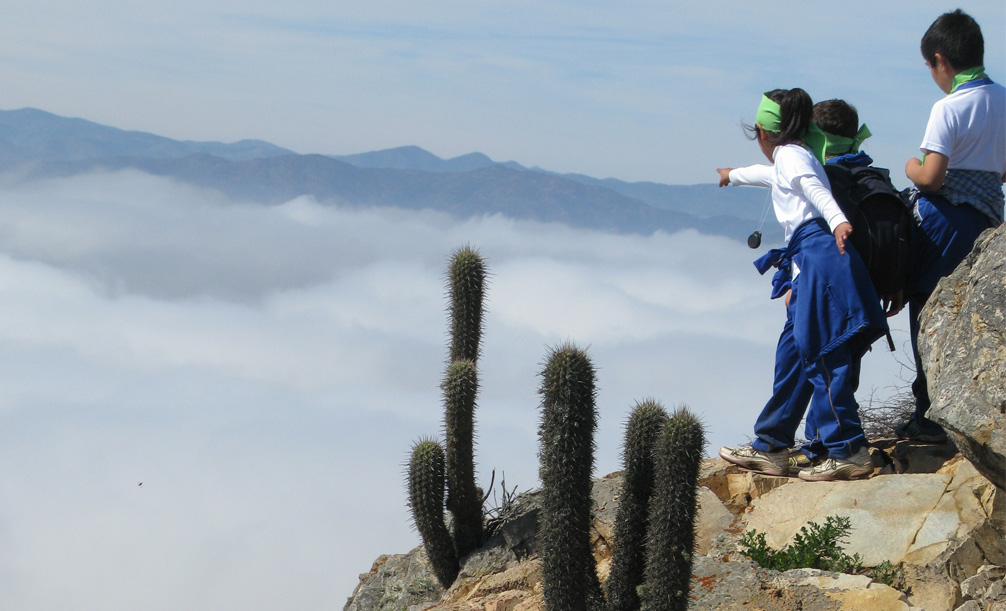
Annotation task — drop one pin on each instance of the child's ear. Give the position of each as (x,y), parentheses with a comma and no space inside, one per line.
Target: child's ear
(942,63)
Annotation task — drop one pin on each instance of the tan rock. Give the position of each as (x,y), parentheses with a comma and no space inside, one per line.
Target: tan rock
(958,512)
(852,591)
(712,520)
(892,516)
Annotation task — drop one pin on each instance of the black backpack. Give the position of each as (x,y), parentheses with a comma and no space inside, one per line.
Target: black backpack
(882,222)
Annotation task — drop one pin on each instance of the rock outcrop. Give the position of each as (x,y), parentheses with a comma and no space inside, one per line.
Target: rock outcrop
(963,347)
(935,513)
(945,529)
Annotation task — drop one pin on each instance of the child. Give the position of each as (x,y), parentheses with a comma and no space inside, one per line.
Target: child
(833,313)
(958,182)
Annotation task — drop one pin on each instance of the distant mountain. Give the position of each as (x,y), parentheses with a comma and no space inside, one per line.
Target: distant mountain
(44,145)
(705,201)
(35,135)
(415,158)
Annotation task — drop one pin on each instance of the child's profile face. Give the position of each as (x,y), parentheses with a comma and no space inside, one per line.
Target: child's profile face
(763,143)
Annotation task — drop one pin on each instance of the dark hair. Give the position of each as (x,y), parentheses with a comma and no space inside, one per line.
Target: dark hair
(837,117)
(957,37)
(795,110)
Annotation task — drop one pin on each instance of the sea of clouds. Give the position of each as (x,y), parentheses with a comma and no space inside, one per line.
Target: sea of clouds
(207,404)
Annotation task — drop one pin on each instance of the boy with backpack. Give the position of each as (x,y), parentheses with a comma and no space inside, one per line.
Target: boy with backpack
(958,182)
(881,220)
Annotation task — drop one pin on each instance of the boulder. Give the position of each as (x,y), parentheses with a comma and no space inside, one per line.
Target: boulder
(962,343)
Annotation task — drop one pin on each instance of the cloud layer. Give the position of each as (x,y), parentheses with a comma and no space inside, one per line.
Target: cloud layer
(263,371)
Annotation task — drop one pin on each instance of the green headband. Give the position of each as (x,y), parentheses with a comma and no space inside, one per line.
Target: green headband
(840,145)
(768,115)
(770,119)
(971,74)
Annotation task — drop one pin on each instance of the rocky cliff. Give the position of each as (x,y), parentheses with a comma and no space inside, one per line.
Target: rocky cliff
(936,513)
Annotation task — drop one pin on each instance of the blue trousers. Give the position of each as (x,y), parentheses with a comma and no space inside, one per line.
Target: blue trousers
(946,235)
(827,385)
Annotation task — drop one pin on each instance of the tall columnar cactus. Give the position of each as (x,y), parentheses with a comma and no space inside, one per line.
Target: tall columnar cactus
(671,541)
(568,422)
(463,499)
(426,500)
(629,559)
(466,283)
(430,466)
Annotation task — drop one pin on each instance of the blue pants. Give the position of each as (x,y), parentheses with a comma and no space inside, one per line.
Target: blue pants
(946,235)
(828,385)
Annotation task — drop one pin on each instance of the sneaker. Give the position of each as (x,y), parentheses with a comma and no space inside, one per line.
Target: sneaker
(767,463)
(856,466)
(799,460)
(924,432)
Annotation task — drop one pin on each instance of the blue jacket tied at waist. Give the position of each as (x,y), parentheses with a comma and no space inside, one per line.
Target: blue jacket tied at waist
(833,300)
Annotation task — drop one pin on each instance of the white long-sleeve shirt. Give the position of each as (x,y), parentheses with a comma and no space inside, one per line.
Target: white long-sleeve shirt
(800,188)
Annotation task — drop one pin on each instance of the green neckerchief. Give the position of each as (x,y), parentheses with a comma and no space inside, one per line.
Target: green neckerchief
(840,145)
(770,120)
(971,74)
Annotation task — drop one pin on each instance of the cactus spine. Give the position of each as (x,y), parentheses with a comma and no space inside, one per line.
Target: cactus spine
(467,277)
(568,422)
(629,559)
(671,541)
(464,500)
(426,499)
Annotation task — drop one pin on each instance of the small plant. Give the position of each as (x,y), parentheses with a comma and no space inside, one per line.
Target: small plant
(503,508)
(816,546)
(891,575)
(881,417)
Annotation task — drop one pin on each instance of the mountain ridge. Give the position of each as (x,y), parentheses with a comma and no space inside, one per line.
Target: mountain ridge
(42,144)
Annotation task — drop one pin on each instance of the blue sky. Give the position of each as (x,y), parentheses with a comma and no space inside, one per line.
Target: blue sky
(643,92)
(263,370)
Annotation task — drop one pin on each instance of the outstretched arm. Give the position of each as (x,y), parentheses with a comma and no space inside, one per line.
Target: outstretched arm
(758,175)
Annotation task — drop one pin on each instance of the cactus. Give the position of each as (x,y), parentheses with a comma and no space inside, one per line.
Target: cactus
(426,500)
(568,422)
(671,540)
(629,558)
(466,283)
(464,500)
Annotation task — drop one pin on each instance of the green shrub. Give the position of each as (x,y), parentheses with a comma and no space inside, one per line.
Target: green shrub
(891,575)
(816,546)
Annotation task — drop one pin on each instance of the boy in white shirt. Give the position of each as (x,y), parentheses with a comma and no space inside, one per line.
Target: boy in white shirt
(958,182)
